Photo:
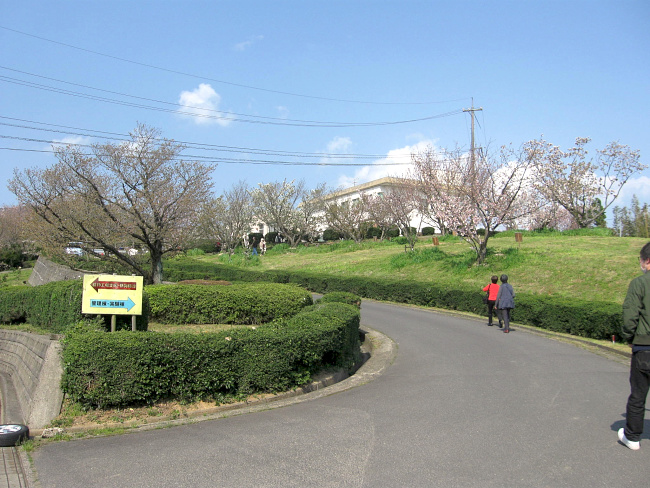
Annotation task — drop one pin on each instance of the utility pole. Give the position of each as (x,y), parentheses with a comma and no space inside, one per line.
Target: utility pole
(471,111)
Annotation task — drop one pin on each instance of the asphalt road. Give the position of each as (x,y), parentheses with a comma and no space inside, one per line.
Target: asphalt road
(463,405)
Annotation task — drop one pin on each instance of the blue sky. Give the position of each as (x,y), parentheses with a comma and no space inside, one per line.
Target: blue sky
(291,81)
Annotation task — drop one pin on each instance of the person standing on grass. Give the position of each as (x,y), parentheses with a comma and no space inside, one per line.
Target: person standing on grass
(636,332)
(492,290)
(255,244)
(505,302)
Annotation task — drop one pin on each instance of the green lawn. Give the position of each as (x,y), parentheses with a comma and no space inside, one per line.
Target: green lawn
(15,277)
(598,268)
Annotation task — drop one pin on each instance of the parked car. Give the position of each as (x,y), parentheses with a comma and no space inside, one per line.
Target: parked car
(75,248)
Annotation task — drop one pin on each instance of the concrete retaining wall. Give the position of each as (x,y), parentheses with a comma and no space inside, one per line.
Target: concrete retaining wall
(30,378)
(46,271)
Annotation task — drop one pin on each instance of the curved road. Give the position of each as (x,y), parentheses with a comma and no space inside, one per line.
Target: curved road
(463,405)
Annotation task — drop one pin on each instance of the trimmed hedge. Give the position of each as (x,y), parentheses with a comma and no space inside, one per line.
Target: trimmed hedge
(247,303)
(341,297)
(52,307)
(126,368)
(597,320)
(55,307)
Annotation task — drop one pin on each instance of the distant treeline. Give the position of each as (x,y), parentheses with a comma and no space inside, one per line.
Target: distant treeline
(632,221)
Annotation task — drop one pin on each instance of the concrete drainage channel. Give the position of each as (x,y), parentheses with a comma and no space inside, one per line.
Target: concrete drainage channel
(12,472)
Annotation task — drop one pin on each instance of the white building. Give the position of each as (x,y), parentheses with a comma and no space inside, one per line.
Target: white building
(382,186)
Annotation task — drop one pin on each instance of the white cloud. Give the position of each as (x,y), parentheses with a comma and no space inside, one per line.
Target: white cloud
(283,112)
(400,165)
(84,141)
(202,105)
(339,145)
(639,186)
(242,46)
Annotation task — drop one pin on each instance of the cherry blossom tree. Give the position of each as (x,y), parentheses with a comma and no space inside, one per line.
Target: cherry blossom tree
(468,192)
(226,218)
(575,181)
(289,208)
(402,201)
(138,191)
(379,212)
(347,217)
(549,216)
(12,219)
(310,212)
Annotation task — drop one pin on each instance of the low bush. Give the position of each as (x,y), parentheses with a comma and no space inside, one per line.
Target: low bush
(331,235)
(205,245)
(55,307)
(246,303)
(341,297)
(105,370)
(597,320)
(270,238)
(372,232)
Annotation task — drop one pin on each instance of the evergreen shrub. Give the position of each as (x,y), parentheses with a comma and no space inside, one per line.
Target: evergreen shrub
(270,238)
(331,235)
(126,368)
(55,307)
(596,320)
(341,297)
(244,303)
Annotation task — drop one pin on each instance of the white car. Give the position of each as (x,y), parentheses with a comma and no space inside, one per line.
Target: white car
(74,248)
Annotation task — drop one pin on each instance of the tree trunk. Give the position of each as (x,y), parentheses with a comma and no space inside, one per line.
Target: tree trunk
(482,250)
(156,265)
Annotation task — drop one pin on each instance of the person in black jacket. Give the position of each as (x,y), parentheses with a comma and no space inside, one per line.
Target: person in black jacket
(636,332)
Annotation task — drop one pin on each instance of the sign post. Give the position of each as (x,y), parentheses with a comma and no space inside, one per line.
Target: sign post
(112,295)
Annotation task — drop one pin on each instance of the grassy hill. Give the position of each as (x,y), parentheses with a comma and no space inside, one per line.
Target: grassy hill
(588,267)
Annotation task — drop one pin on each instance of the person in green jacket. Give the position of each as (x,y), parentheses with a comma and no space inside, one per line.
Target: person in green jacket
(636,332)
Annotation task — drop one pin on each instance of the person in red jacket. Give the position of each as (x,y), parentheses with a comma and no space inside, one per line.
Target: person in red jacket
(492,290)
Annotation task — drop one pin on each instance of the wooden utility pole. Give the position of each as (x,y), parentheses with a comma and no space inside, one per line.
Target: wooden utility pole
(471,153)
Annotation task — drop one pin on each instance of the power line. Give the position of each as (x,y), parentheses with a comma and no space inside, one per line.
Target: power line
(225,117)
(195,145)
(220,160)
(239,85)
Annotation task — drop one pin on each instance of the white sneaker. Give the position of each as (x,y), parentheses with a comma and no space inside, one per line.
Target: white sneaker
(634,445)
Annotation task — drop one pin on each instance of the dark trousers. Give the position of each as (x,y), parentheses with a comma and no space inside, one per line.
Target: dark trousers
(491,310)
(504,316)
(639,384)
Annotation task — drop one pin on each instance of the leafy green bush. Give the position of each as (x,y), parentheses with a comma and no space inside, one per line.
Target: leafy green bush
(372,232)
(138,368)
(331,235)
(205,245)
(428,231)
(270,238)
(341,297)
(245,303)
(13,256)
(552,312)
(391,233)
(55,307)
